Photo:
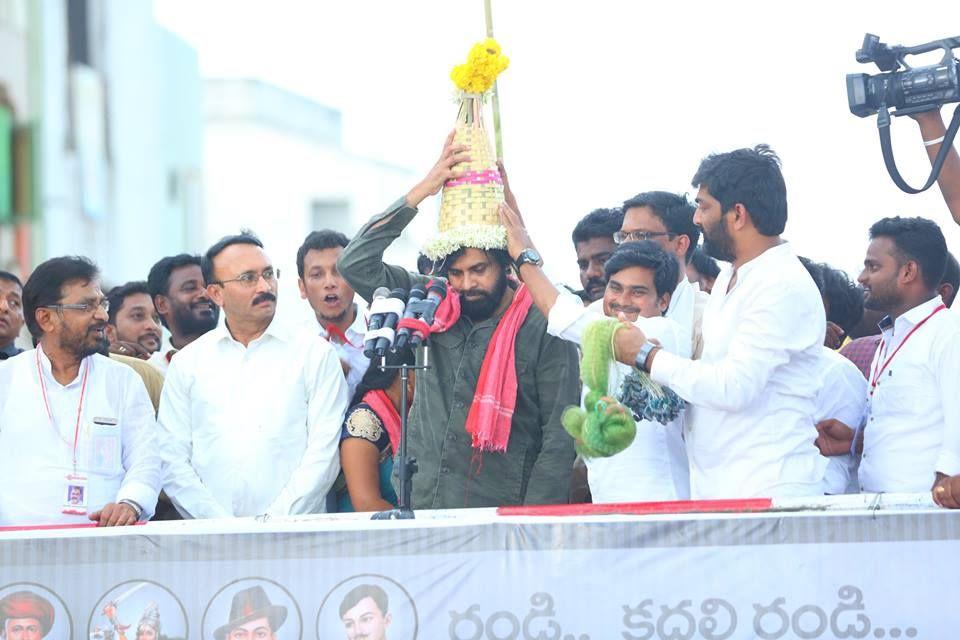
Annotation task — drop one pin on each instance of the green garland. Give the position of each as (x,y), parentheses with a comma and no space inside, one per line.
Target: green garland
(604,427)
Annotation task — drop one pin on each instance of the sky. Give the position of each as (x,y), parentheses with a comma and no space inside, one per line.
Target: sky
(603,99)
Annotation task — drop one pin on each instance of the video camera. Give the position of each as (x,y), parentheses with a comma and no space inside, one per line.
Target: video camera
(907,90)
(902,87)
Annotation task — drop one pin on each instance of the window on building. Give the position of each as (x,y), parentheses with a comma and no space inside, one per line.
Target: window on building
(78,32)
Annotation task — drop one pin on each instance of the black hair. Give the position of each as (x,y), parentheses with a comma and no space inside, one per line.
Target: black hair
(751,177)
(375,378)
(816,273)
(844,298)
(704,264)
(158,280)
(650,255)
(951,274)
(599,223)
(674,211)
(916,239)
(45,285)
(9,277)
(424,265)
(500,256)
(318,241)
(118,295)
(358,593)
(206,263)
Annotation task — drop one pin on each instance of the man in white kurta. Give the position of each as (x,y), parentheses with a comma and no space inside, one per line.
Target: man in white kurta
(750,430)
(75,424)
(251,411)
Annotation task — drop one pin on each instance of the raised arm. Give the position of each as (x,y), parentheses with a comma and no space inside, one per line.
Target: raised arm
(361,262)
(933,128)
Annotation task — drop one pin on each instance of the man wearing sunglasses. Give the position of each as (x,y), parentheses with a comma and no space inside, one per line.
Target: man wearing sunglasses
(251,411)
(667,219)
(81,424)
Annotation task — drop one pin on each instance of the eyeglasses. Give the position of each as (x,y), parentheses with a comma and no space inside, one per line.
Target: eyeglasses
(82,307)
(639,236)
(250,278)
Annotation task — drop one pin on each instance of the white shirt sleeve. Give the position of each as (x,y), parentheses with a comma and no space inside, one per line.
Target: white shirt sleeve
(141,462)
(568,318)
(843,395)
(769,330)
(181,482)
(947,366)
(326,389)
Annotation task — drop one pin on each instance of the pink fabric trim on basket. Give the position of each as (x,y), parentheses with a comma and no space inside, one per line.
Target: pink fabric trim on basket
(476,177)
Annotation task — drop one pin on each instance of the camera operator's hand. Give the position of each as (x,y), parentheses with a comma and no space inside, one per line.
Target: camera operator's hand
(932,128)
(443,170)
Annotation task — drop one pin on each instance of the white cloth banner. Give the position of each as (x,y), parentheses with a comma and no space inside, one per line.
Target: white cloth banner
(473,575)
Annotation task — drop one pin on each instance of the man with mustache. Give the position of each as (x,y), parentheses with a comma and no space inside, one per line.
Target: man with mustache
(911,437)
(528,458)
(250,390)
(667,219)
(24,615)
(180,296)
(79,422)
(593,241)
(11,314)
(133,327)
(749,426)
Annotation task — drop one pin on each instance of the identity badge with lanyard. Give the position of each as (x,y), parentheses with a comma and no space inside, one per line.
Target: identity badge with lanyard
(880,365)
(75,485)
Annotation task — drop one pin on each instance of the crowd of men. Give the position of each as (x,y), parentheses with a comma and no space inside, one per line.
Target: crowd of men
(180,396)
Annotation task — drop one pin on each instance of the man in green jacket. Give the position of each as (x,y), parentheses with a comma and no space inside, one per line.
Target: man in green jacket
(536,465)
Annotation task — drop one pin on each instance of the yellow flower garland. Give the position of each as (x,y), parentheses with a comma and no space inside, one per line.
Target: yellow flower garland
(484,63)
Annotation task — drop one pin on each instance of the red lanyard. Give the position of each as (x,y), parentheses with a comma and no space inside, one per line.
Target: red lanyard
(46,403)
(876,378)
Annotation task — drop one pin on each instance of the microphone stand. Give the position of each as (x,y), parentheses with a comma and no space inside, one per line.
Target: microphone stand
(408,464)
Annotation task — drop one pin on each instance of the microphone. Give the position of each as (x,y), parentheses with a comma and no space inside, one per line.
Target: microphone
(417,294)
(436,292)
(385,310)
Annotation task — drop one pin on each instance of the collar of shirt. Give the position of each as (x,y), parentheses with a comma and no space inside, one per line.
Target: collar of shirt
(274,330)
(895,330)
(683,296)
(9,351)
(356,330)
(47,367)
(771,255)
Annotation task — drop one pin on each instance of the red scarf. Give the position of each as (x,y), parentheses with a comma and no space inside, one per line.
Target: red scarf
(382,405)
(491,412)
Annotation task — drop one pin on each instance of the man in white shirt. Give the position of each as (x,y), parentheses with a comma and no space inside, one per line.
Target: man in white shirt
(749,428)
(251,412)
(640,277)
(667,219)
(81,424)
(341,320)
(180,296)
(841,399)
(912,434)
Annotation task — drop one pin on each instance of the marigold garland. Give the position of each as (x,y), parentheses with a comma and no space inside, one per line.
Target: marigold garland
(484,63)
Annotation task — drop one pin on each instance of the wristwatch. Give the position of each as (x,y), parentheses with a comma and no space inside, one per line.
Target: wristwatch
(645,350)
(529,256)
(137,509)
